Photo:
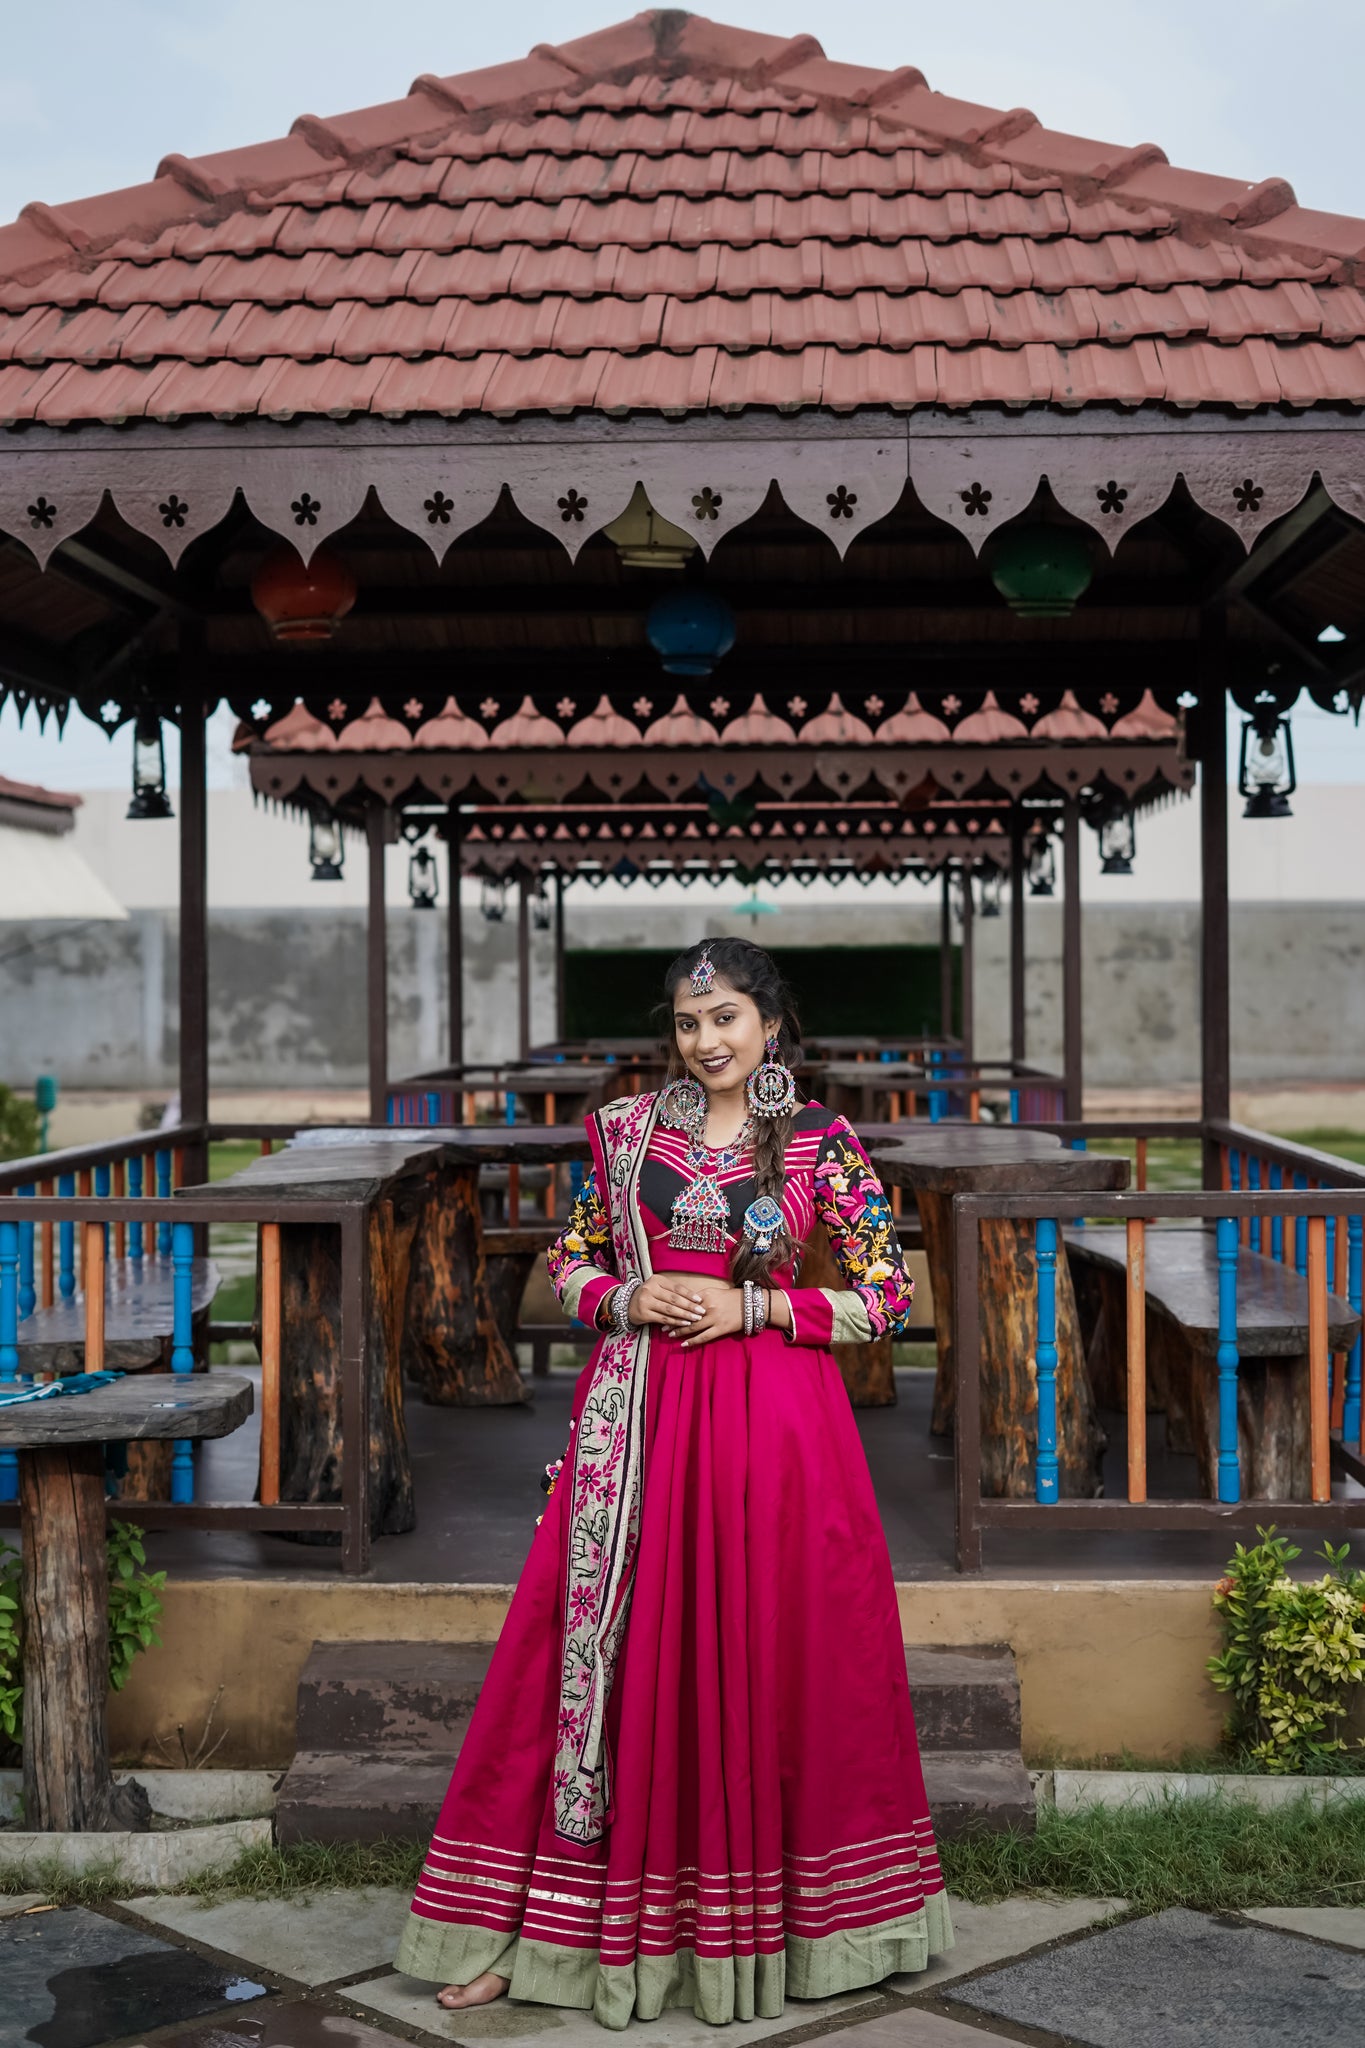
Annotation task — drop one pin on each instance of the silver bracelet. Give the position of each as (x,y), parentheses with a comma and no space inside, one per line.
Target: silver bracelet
(747,1299)
(620,1306)
(762,1303)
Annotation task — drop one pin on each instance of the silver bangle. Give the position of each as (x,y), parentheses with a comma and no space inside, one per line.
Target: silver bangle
(620,1306)
(762,1303)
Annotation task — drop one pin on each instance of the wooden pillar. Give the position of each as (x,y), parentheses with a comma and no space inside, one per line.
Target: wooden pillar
(968,964)
(1072,1017)
(1214,961)
(559,956)
(454,942)
(524,968)
(194,933)
(67,1781)
(377,966)
(1018,885)
(945,955)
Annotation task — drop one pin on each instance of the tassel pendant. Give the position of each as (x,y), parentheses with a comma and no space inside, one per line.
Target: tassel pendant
(701,1218)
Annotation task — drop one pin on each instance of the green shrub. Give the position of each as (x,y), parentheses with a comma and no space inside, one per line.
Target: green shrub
(20,1127)
(134,1610)
(1293,1650)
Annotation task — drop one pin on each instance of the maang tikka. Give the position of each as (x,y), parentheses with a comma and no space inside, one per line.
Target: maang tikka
(771,1088)
(702,979)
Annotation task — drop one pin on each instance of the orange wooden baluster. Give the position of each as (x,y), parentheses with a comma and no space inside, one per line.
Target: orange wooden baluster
(514,1197)
(1142,1166)
(974,1106)
(271,1312)
(178,1167)
(92,1274)
(267,1147)
(1137,1358)
(1319,1436)
(84,1183)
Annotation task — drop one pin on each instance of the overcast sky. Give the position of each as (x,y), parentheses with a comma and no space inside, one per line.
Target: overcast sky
(94,92)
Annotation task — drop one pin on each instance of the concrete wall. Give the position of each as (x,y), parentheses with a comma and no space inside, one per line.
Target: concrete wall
(97,1004)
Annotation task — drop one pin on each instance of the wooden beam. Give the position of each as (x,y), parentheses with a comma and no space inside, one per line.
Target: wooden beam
(454,942)
(945,954)
(968,962)
(1018,883)
(1215,1027)
(559,956)
(524,967)
(377,967)
(194,925)
(1073,1054)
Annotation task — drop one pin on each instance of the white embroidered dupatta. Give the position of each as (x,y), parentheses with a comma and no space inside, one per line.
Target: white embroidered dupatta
(607,1487)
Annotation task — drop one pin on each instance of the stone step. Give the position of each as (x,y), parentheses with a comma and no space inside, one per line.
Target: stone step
(985,1789)
(965,1698)
(372,1696)
(352,1796)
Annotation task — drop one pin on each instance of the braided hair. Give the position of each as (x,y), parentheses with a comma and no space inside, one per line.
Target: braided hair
(751,972)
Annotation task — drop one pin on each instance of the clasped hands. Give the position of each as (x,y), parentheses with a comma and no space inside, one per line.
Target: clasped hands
(694,1306)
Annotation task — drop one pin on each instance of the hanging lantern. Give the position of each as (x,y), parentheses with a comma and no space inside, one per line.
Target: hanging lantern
(690,631)
(645,540)
(991,883)
(423,882)
(1118,842)
(1042,868)
(493,898)
(149,770)
(302,602)
(1040,571)
(326,851)
(1265,767)
(542,914)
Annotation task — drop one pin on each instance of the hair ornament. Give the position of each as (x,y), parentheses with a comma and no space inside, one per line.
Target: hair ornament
(702,979)
(762,1221)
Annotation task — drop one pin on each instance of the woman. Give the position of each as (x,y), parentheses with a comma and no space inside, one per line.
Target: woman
(692,1777)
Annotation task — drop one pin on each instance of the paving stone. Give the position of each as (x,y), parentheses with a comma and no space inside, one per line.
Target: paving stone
(407,1999)
(313,1940)
(285,2023)
(911,2027)
(1182,1980)
(990,1934)
(75,1979)
(14,1903)
(1342,1924)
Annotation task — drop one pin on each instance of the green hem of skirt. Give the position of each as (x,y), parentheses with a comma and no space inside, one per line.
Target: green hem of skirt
(732,1988)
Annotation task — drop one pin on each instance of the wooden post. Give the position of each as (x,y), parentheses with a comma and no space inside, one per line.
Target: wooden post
(1320,1450)
(524,968)
(945,956)
(1137,1358)
(968,966)
(377,967)
(270,1364)
(194,931)
(1073,1057)
(92,1263)
(1018,883)
(559,957)
(454,942)
(1215,1038)
(67,1781)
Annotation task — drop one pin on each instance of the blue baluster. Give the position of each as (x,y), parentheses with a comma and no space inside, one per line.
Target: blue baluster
(937,1099)
(28,1292)
(1229,1465)
(509,1107)
(163,1188)
(1351,1412)
(135,1194)
(66,1242)
(1277,1222)
(1301,1229)
(182,1348)
(1014,1105)
(1046,1240)
(9,1342)
(102,1190)
(1254,1188)
(1235,1171)
(433,1108)
(392,1110)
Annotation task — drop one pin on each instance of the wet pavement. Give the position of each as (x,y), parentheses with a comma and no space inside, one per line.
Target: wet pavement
(316,1972)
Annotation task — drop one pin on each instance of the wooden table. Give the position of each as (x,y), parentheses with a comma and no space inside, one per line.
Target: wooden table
(60,1445)
(942,1160)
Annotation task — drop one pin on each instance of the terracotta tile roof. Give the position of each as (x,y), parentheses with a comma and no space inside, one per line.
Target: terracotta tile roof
(668,216)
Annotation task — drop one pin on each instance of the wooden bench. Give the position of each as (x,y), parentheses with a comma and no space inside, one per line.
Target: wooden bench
(1182,1349)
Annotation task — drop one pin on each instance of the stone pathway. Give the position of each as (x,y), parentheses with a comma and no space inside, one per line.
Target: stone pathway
(315,1972)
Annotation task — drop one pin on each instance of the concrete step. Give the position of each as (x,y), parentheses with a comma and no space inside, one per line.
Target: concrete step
(415,1697)
(964,1698)
(983,1789)
(351,1796)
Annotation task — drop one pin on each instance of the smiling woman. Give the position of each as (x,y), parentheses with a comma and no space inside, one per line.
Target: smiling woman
(664,1797)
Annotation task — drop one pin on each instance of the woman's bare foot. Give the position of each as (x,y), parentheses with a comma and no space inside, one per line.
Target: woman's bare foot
(481,1990)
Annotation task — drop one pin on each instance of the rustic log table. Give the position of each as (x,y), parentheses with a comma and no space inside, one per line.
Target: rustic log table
(60,1445)
(939,1161)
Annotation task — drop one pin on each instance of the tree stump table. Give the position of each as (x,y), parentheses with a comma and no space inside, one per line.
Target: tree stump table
(943,1160)
(65,1585)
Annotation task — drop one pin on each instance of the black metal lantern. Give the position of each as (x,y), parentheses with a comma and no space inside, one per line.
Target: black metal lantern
(991,883)
(423,883)
(326,850)
(542,913)
(493,898)
(149,770)
(1265,766)
(1118,842)
(1042,868)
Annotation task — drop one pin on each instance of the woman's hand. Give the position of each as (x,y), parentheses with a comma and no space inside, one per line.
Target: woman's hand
(672,1299)
(721,1316)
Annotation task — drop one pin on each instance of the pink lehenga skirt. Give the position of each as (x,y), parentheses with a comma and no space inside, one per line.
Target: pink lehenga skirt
(768,1835)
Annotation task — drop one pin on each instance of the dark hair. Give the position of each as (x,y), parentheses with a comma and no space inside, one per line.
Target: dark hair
(750,972)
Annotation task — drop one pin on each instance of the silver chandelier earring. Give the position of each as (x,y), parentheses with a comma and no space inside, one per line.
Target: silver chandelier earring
(682,1107)
(771,1088)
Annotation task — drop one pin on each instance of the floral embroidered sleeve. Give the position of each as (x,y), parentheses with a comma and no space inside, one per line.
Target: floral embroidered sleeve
(852,1205)
(581,1263)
